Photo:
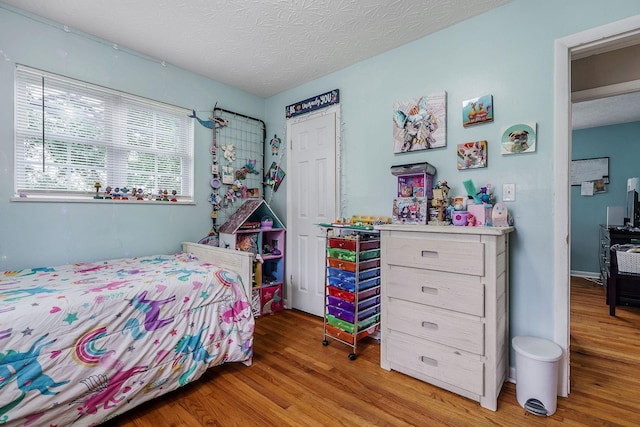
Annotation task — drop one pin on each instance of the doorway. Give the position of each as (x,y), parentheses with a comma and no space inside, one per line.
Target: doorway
(603,37)
(313,196)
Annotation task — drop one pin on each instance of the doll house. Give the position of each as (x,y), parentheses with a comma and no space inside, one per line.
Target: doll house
(255,228)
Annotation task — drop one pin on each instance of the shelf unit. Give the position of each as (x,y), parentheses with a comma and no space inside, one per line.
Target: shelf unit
(245,231)
(352,286)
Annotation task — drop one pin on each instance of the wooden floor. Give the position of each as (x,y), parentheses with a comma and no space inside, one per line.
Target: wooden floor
(296,381)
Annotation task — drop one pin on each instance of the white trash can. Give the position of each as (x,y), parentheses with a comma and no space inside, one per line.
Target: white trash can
(537,374)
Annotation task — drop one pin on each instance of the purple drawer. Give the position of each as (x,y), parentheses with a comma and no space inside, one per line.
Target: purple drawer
(350,305)
(349,316)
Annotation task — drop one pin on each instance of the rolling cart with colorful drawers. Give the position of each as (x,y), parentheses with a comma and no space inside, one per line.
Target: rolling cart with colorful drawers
(352,285)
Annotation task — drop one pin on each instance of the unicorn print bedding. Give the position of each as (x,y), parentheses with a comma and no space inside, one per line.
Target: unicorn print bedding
(82,343)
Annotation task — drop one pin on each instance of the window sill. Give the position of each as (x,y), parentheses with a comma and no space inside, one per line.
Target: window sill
(70,199)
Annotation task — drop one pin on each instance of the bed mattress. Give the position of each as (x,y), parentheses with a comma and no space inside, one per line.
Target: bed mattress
(82,343)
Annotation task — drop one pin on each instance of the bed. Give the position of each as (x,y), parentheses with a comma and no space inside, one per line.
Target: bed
(82,343)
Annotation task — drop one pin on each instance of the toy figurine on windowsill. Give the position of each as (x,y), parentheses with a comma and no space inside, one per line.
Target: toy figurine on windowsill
(97,186)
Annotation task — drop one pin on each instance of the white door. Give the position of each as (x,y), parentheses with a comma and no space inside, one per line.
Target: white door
(312,198)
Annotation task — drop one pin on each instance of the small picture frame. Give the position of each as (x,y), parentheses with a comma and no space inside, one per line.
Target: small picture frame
(477,110)
(253,192)
(472,155)
(227,175)
(519,138)
(599,186)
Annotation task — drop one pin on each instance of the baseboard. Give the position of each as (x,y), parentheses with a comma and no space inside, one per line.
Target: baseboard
(585,274)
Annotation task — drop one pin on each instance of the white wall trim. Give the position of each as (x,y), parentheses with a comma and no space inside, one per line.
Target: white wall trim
(585,274)
(592,40)
(605,91)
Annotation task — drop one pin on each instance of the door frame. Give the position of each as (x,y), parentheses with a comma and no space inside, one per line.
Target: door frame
(333,109)
(607,37)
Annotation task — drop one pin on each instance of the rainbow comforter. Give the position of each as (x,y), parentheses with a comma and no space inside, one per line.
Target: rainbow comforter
(83,343)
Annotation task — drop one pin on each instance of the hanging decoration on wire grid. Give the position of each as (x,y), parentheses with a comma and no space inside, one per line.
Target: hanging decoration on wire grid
(275,174)
(240,166)
(275,144)
(213,123)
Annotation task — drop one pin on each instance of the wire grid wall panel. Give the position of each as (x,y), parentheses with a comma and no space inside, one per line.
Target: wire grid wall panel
(247,135)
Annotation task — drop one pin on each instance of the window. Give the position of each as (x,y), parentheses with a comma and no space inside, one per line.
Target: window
(70,135)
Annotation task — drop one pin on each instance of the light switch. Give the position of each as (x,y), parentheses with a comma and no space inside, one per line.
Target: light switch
(508,192)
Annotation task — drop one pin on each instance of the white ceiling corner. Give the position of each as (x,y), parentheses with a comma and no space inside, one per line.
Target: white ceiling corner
(261,46)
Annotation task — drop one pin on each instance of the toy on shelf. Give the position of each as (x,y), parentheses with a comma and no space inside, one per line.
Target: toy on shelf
(414,180)
(480,203)
(362,222)
(440,201)
(471,191)
(414,190)
(500,215)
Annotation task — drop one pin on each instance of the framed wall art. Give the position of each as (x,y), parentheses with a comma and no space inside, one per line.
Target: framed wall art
(420,123)
(472,155)
(519,138)
(477,110)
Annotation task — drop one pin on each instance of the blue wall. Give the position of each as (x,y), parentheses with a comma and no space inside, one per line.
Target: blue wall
(55,233)
(621,143)
(507,52)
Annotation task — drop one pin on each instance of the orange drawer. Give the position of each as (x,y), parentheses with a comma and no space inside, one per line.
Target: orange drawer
(346,336)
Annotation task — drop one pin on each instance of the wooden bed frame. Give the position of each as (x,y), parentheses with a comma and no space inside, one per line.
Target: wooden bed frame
(237,261)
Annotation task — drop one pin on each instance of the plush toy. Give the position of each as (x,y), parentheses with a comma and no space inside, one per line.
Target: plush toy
(471,220)
(229,152)
(499,215)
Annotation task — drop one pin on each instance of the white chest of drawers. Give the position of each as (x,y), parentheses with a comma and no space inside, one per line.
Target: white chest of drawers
(445,307)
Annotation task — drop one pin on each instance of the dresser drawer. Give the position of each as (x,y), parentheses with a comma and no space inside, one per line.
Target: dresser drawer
(456,256)
(444,327)
(443,363)
(458,292)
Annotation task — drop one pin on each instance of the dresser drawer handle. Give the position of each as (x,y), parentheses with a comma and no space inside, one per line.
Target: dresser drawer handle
(430,254)
(429,361)
(430,325)
(429,290)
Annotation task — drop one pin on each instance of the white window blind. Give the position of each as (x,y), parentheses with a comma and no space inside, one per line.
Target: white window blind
(70,134)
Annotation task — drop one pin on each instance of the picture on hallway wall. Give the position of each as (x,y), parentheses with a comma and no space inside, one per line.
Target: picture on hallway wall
(420,123)
(477,110)
(519,138)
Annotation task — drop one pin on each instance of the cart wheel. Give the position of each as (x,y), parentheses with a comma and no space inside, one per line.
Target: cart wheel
(352,356)
(325,342)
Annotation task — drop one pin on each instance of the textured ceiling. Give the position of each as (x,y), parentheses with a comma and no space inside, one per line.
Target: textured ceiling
(261,46)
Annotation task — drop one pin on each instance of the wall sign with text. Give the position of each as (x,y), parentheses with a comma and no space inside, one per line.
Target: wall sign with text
(312,104)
